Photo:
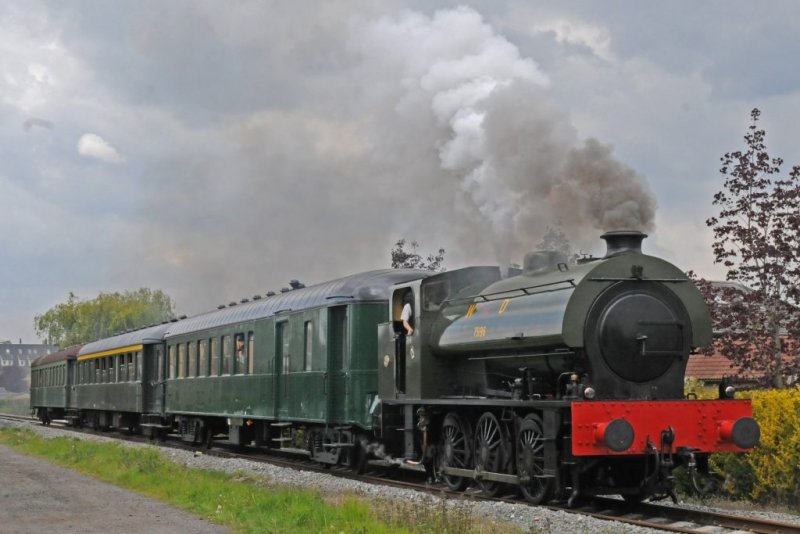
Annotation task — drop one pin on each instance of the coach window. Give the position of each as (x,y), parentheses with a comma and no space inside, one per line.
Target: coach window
(192,359)
(214,356)
(227,355)
(240,354)
(251,343)
(138,363)
(171,350)
(202,358)
(309,345)
(181,360)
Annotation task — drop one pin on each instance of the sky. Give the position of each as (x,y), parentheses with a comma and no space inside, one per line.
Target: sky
(216,150)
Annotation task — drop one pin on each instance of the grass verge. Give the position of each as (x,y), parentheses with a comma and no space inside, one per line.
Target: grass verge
(242,502)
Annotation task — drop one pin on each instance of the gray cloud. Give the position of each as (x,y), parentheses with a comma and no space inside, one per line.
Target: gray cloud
(269,141)
(33,122)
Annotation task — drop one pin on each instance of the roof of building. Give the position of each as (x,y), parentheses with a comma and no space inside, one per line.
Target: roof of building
(716,367)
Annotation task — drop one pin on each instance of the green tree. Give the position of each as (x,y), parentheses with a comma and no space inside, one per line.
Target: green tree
(757,239)
(79,321)
(411,259)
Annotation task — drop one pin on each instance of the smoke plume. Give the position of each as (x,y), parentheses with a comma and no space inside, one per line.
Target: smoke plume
(430,127)
(516,158)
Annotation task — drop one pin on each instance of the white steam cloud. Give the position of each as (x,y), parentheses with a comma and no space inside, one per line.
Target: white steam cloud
(516,158)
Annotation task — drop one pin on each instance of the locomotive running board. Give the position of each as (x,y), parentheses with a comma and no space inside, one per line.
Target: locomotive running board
(485,475)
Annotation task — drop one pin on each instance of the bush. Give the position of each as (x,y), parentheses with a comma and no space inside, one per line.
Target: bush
(771,472)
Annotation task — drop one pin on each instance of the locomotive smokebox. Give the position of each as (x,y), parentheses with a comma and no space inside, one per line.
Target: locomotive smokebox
(622,241)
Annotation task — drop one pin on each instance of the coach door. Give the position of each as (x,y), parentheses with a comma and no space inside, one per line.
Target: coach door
(281,376)
(338,362)
(153,379)
(69,387)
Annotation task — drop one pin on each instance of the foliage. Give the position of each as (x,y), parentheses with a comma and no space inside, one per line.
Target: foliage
(16,405)
(771,472)
(243,502)
(694,387)
(411,259)
(79,321)
(756,236)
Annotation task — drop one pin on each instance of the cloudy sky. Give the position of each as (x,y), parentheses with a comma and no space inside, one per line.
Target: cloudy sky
(216,150)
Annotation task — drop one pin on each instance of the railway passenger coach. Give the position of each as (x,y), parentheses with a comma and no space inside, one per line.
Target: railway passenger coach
(562,380)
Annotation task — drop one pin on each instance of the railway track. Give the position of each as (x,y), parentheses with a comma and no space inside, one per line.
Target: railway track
(660,517)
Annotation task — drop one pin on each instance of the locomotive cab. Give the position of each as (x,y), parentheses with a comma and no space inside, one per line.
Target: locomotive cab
(407,367)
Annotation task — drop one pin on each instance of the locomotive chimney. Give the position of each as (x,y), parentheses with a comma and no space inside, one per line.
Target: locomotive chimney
(621,241)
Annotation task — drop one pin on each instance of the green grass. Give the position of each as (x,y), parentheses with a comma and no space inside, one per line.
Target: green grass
(243,502)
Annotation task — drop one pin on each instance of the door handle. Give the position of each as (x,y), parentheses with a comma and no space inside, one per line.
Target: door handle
(325,383)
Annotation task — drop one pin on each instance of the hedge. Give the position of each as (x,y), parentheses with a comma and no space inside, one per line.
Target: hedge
(771,472)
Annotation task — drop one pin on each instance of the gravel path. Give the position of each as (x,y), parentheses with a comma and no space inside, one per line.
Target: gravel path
(35,496)
(522,515)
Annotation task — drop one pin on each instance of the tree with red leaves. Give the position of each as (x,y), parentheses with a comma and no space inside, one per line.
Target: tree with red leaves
(757,238)
(411,259)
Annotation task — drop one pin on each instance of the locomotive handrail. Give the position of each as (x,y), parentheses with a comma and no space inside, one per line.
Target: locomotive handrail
(520,356)
(488,297)
(632,279)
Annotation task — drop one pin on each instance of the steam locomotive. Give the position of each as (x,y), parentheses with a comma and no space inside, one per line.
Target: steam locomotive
(562,380)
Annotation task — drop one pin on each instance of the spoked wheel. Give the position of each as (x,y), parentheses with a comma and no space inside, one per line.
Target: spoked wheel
(530,461)
(491,451)
(455,450)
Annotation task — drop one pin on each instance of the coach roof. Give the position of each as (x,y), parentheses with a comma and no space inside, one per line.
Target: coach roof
(145,336)
(368,286)
(67,354)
